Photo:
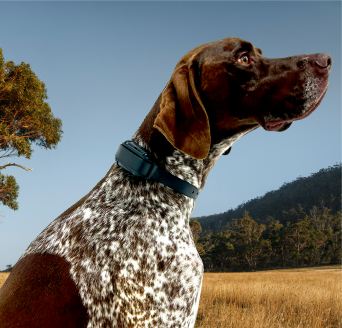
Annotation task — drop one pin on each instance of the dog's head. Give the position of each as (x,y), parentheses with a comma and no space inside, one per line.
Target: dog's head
(225,87)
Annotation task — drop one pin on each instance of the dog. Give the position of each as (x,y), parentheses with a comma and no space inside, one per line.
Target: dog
(123,256)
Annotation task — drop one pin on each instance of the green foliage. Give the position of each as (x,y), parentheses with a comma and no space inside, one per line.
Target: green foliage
(321,189)
(309,239)
(25,118)
(222,249)
(299,224)
(247,242)
(9,191)
(196,229)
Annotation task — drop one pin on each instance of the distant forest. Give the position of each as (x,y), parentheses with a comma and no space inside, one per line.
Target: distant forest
(298,224)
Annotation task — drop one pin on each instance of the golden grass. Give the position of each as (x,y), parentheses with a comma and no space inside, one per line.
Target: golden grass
(3,277)
(292,298)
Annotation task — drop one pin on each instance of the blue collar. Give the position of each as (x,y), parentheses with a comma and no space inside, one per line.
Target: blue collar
(134,159)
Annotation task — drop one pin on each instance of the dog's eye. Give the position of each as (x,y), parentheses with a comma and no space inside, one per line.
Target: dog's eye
(244,60)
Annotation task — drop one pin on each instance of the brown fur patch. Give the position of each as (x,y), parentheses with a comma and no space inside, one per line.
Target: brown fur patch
(40,293)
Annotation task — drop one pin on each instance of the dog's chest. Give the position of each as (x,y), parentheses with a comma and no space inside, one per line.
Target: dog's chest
(146,279)
(132,259)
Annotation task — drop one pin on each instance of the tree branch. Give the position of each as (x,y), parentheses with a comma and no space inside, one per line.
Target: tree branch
(13,164)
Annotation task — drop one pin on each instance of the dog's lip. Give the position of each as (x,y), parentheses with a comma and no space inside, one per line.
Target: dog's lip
(275,125)
(278,124)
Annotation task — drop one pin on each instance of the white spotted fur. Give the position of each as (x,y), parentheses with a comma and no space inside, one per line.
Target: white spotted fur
(105,250)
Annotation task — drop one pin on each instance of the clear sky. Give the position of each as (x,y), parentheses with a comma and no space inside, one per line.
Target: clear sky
(104,65)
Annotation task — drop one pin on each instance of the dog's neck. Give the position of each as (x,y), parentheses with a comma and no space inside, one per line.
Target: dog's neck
(183,166)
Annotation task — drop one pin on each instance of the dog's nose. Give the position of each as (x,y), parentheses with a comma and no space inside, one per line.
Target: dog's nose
(323,61)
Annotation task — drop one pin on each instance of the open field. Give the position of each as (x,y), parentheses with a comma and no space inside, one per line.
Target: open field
(3,277)
(289,298)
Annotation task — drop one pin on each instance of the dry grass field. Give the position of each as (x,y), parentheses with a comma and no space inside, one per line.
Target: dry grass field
(3,277)
(291,298)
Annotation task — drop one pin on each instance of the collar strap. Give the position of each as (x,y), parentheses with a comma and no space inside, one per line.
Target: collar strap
(134,159)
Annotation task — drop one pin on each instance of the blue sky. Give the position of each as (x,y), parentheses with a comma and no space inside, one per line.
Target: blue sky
(104,65)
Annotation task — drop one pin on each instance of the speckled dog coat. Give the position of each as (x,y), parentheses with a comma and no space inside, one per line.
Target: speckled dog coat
(123,256)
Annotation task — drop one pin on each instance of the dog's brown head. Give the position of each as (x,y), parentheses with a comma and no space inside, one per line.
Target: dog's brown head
(226,87)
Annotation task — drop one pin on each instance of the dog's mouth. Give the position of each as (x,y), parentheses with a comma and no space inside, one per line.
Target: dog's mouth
(278,124)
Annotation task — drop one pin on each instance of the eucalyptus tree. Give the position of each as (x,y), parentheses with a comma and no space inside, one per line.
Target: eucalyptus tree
(25,119)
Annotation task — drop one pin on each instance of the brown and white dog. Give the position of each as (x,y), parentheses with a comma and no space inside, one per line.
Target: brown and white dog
(123,256)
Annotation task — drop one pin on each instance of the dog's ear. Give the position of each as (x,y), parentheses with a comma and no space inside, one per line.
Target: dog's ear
(183,119)
(285,127)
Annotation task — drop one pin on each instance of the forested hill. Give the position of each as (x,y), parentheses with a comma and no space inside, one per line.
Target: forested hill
(321,189)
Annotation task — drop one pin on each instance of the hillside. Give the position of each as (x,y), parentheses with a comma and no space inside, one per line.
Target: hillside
(321,189)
